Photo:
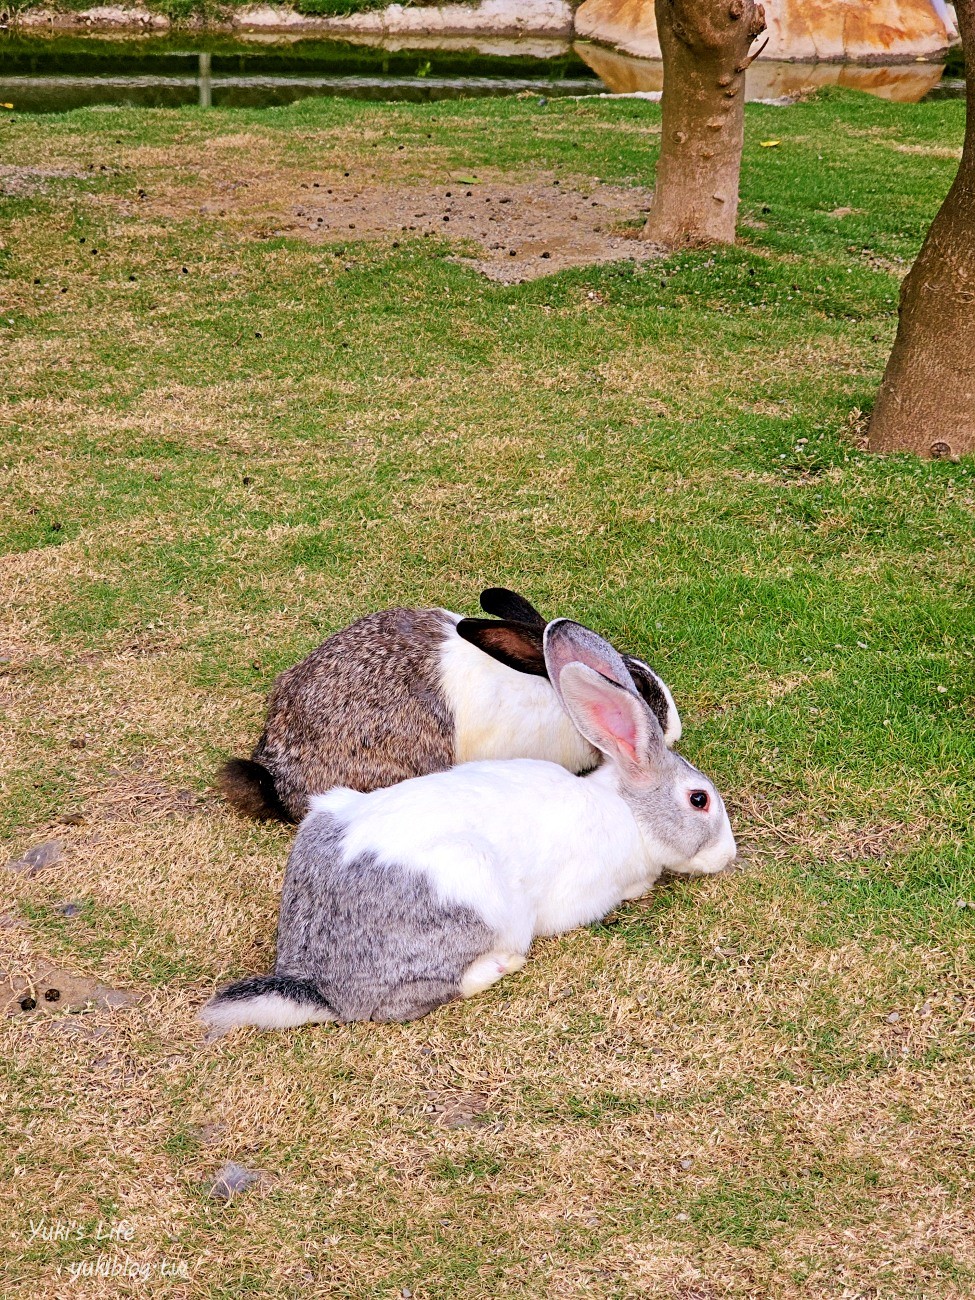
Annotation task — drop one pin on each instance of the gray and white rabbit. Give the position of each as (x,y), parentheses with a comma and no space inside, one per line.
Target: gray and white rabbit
(399,900)
(403,692)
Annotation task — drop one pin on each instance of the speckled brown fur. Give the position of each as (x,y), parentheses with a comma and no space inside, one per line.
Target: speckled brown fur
(321,728)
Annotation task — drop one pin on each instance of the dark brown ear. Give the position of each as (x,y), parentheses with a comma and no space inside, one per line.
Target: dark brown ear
(508,605)
(517,645)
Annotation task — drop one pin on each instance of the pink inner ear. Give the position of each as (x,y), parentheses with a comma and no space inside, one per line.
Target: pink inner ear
(613,719)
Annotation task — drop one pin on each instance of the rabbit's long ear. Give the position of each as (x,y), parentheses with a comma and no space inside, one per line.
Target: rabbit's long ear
(508,605)
(566,642)
(657,694)
(613,718)
(517,645)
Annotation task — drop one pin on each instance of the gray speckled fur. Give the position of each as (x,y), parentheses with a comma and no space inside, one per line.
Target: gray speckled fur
(659,806)
(371,937)
(366,709)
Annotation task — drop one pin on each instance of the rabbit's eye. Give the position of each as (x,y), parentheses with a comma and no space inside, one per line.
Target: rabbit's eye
(700,799)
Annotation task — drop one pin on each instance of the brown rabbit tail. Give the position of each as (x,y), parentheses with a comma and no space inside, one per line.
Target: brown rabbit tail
(249,787)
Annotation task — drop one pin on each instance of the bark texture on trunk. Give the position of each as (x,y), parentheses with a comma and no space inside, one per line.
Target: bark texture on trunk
(705,46)
(926,402)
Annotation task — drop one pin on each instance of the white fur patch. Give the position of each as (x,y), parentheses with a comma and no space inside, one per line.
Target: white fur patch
(265,1010)
(481,974)
(335,801)
(501,713)
(530,847)
(487,970)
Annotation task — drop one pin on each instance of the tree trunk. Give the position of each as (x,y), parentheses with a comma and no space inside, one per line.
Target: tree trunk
(705,47)
(926,402)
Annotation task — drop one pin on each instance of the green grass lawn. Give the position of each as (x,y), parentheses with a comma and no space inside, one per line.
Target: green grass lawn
(219,444)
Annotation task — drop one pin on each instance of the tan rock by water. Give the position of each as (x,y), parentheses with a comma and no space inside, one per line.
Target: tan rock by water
(488,17)
(810,30)
(771,79)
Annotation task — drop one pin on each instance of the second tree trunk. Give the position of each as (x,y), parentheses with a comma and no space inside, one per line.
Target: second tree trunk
(926,402)
(705,48)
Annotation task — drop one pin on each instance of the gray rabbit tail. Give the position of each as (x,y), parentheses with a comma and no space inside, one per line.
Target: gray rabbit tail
(267,1001)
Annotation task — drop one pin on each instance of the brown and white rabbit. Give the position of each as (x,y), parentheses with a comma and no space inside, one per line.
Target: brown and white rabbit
(404,692)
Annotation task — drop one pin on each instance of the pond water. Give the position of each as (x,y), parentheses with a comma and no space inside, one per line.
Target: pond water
(52,74)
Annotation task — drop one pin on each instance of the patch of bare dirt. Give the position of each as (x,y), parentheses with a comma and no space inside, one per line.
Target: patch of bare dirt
(522,231)
(23,182)
(930,150)
(458,1109)
(511,231)
(893,266)
(47,988)
(134,797)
